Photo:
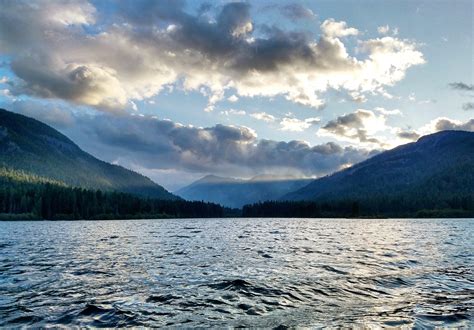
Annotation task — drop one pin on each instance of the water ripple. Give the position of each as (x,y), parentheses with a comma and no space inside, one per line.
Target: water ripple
(279,273)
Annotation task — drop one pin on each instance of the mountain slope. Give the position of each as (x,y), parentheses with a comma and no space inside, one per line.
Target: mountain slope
(440,164)
(236,193)
(32,146)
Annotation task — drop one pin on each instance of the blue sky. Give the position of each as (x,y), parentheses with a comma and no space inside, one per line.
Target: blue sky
(177,90)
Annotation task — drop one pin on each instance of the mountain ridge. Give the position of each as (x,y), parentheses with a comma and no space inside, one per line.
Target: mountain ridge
(397,170)
(32,146)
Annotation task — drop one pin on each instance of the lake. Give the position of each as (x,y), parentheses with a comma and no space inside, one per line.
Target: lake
(238,272)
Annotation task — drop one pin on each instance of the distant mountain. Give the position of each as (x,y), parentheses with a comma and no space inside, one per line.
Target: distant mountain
(29,145)
(236,192)
(437,166)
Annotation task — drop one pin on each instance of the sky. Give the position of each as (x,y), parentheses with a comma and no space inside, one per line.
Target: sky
(180,89)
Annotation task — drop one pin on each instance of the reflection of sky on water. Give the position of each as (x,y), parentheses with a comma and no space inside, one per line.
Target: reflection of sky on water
(261,272)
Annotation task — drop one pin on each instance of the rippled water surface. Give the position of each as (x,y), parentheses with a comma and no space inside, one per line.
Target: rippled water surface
(238,272)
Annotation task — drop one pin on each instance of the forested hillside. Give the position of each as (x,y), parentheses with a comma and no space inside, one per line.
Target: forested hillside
(25,196)
(435,168)
(29,145)
(433,177)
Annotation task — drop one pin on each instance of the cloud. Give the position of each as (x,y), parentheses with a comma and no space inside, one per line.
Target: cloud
(390,58)
(73,51)
(296,11)
(232,98)
(263,116)
(383,111)
(408,135)
(233,112)
(444,124)
(297,125)
(82,84)
(157,144)
(462,86)
(359,126)
(468,106)
(385,29)
(435,125)
(333,29)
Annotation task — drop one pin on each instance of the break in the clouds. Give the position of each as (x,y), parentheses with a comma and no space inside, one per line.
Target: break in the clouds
(69,50)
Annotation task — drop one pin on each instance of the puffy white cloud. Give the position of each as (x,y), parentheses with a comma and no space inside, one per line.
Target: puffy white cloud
(389,58)
(234,112)
(333,29)
(383,29)
(297,125)
(263,116)
(393,112)
(151,45)
(232,98)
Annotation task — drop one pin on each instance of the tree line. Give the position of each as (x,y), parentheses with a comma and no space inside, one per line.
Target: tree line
(25,196)
(377,207)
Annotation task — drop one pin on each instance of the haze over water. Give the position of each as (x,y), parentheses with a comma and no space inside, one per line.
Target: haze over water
(237,272)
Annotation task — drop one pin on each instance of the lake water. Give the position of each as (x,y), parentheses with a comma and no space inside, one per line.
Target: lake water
(238,272)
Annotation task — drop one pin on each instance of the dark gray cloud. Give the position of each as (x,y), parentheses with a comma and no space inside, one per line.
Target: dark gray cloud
(444,124)
(408,135)
(157,144)
(462,86)
(468,106)
(356,126)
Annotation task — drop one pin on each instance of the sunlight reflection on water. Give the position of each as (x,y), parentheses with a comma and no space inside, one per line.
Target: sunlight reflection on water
(237,272)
